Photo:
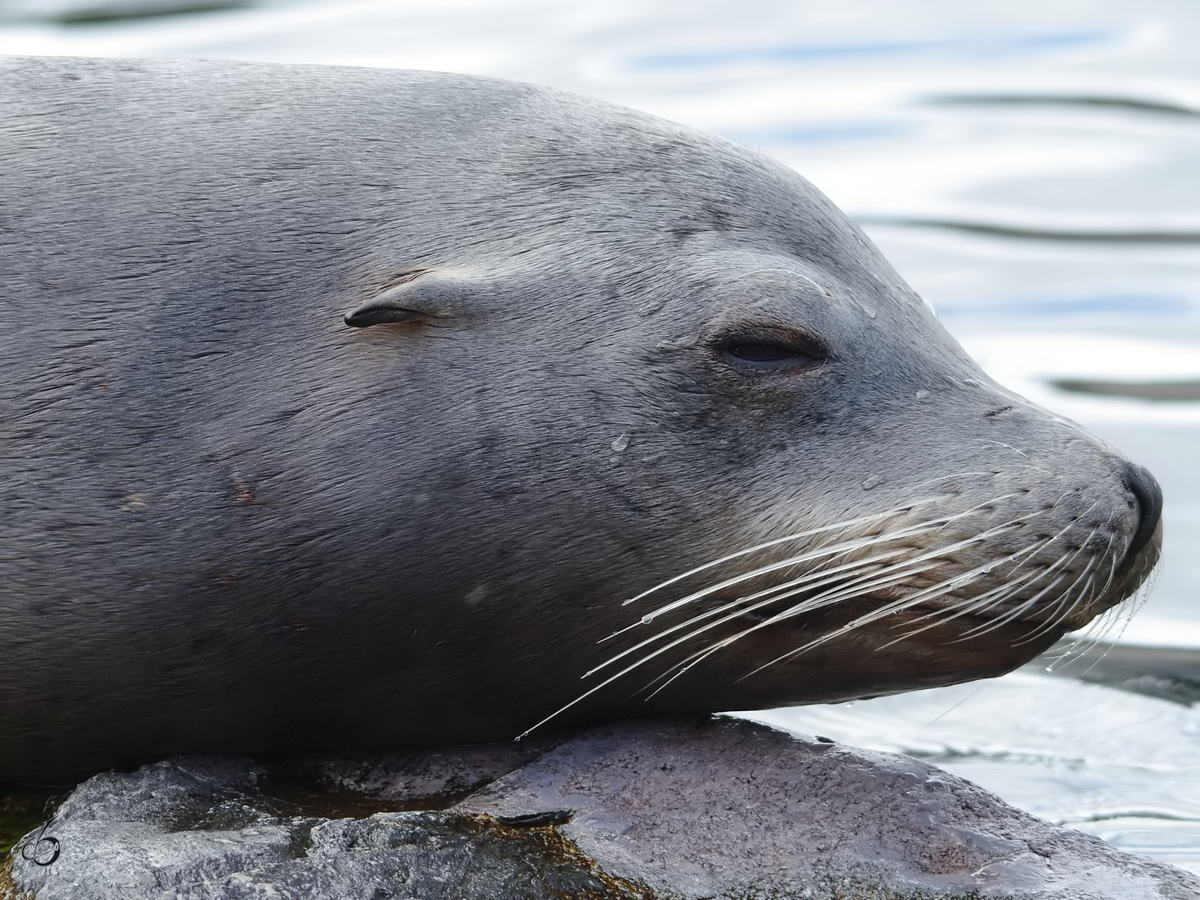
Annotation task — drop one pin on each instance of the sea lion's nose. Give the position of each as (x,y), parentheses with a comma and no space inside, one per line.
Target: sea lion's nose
(1149,498)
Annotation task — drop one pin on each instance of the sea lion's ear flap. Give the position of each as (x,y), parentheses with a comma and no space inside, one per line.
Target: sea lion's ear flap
(376,313)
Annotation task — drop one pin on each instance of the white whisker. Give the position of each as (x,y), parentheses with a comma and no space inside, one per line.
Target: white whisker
(843,591)
(976,605)
(896,606)
(812,532)
(1017,613)
(940,521)
(836,549)
(773,594)
(1056,618)
(1060,608)
(894,554)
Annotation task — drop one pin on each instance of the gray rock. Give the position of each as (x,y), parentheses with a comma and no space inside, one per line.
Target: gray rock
(681,808)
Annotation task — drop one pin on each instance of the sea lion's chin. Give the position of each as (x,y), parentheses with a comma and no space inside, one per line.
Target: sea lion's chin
(874,660)
(880,661)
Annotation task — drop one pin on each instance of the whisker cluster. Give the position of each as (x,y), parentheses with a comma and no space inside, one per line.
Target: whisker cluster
(878,563)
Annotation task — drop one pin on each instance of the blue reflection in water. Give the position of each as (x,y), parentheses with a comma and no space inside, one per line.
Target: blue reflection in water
(1105,305)
(828,134)
(993,47)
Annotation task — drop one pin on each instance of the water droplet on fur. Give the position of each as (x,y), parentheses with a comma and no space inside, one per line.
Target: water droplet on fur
(621,443)
(477,595)
(872,481)
(646,620)
(681,344)
(921,395)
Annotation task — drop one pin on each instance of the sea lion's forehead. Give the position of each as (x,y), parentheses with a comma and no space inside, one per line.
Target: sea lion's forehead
(607,163)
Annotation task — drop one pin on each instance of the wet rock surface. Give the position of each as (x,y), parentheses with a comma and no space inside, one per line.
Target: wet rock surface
(680,808)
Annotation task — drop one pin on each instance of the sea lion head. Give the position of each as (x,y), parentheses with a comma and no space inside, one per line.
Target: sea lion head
(766,472)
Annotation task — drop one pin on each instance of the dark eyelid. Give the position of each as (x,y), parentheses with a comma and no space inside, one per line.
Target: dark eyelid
(761,352)
(767,348)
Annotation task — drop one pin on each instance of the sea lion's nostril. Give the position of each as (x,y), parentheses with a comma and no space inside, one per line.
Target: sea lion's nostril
(1149,498)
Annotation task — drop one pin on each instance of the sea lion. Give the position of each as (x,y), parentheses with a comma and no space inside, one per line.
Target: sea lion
(346,409)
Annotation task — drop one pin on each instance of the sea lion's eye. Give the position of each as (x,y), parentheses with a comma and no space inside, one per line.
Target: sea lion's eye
(761,353)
